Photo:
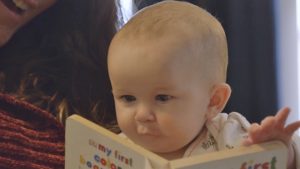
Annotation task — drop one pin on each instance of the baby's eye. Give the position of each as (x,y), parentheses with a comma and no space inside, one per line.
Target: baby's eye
(163,97)
(127,98)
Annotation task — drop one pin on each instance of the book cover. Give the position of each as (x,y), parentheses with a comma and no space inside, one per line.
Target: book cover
(90,146)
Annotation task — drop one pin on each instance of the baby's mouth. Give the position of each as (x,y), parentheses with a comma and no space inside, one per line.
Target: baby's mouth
(142,130)
(17,6)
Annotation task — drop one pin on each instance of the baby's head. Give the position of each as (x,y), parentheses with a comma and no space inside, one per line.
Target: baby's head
(167,68)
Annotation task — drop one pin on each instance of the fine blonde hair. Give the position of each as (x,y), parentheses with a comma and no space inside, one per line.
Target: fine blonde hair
(192,25)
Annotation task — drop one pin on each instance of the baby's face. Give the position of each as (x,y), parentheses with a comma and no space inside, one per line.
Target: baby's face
(161,102)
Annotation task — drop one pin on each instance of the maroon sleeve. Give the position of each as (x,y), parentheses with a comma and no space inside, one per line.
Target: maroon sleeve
(30,138)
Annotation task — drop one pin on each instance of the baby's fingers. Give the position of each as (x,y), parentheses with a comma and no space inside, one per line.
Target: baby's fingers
(291,128)
(256,134)
(268,124)
(282,116)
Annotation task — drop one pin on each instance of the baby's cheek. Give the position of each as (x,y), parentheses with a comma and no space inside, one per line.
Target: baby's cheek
(175,126)
(125,121)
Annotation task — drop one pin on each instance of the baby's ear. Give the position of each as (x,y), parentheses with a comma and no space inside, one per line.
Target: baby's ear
(218,99)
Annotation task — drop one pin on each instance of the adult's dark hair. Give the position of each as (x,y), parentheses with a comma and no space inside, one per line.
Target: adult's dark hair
(58,60)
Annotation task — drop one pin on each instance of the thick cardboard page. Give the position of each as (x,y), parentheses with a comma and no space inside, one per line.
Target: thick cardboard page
(269,155)
(90,146)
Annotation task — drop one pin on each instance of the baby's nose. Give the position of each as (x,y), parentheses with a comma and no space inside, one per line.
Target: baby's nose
(144,114)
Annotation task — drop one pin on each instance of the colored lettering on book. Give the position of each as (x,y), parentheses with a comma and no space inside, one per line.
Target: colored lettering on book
(98,163)
(264,165)
(105,158)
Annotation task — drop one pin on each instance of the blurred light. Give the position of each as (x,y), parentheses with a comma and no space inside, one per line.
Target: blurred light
(298,54)
(125,11)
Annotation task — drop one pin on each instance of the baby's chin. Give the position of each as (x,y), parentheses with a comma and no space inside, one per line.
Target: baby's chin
(161,145)
(165,150)
(171,153)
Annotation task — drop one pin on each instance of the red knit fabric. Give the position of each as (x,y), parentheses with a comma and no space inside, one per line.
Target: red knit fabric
(30,138)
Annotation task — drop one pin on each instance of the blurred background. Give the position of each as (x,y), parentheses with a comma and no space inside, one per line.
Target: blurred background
(264,60)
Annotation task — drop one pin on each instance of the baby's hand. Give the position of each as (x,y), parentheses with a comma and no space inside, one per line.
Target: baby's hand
(274,128)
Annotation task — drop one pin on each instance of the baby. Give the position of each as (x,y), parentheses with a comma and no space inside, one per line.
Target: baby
(167,68)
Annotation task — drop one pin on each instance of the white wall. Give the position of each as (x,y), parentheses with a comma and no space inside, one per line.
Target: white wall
(287,58)
(126,9)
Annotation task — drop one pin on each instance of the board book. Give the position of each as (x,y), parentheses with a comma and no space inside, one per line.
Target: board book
(90,146)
